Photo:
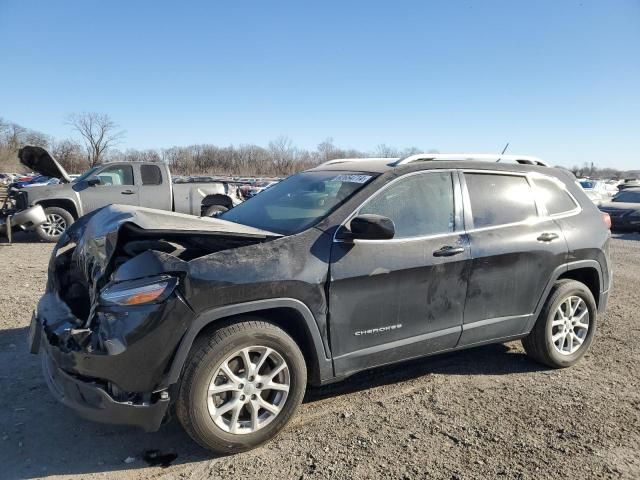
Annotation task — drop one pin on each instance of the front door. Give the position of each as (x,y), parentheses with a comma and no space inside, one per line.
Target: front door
(116,186)
(401,298)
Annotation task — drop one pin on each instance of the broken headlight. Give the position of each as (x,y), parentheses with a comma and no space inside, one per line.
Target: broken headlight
(139,292)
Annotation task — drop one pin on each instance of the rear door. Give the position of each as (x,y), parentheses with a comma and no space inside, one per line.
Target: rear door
(515,248)
(117,185)
(154,190)
(395,299)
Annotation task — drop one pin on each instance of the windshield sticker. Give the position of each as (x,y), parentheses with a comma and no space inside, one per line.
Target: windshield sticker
(351,178)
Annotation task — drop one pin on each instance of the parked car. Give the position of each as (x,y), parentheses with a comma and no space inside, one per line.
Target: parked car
(127,183)
(611,187)
(624,210)
(594,196)
(258,187)
(39,181)
(595,186)
(348,266)
(7,178)
(629,183)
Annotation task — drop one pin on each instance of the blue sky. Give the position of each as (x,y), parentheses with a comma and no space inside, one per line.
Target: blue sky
(557,79)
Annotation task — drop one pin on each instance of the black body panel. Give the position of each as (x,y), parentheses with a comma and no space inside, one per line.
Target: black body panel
(353,305)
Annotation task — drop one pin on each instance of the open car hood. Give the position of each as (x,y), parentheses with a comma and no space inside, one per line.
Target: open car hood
(41,161)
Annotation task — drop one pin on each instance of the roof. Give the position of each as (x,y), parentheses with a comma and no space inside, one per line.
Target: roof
(431,160)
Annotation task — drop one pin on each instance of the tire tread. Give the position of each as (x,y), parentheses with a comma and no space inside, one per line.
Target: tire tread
(535,343)
(206,344)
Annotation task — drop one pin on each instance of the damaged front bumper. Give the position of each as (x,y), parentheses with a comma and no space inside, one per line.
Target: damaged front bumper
(110,373)
(27,219)
(90,400)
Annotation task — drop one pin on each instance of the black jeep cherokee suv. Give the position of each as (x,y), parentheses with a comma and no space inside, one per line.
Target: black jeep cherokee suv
(345,267)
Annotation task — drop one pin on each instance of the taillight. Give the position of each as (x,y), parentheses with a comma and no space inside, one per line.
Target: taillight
(607,219)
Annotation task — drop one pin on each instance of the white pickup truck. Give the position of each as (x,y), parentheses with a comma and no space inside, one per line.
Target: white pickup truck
(127,183)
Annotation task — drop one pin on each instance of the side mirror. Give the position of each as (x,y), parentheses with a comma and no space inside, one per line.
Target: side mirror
(92,182)
(372,227)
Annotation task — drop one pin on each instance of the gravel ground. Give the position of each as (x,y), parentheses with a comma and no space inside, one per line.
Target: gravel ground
(483,413)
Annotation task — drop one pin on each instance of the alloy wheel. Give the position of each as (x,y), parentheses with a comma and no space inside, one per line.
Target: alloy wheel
(570,325)
(54,225)
(248,390)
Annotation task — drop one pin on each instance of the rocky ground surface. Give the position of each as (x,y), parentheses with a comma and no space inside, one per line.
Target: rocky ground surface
(483,413)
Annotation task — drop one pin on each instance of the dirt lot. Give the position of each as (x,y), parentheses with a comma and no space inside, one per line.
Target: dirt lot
(483,413)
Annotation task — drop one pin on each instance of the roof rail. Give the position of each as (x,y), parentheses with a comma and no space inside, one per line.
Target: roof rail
(343,160)
(484,157)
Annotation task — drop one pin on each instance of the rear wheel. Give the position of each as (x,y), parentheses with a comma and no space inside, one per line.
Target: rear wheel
(241,386)
(58,220)
(566,326)
(215,210)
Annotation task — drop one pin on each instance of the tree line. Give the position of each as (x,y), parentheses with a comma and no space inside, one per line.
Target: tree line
(97,138)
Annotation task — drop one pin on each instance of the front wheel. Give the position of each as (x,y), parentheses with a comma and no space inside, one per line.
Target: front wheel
(241,386)
(566,326)
(58,220)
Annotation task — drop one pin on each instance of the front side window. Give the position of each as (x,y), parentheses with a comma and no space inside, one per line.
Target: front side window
(116,175)
(418,205)
(554,197)
(298,202)
(499,199)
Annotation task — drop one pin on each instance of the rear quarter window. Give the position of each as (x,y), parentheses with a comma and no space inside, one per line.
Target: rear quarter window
(498,199)
(151,175)
(554,196)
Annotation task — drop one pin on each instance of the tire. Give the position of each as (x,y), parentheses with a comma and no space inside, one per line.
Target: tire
(215,210)
(540,344)
(58,220)
(195,408)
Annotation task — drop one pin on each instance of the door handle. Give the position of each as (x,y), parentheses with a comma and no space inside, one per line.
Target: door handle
(128,192)
(547,237)
(448,251)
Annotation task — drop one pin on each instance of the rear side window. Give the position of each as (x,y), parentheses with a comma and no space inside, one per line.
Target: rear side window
(419,205)
(554,196)
(151,175)
(499,199)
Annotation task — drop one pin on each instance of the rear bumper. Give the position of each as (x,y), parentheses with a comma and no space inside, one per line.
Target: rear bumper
(91,401)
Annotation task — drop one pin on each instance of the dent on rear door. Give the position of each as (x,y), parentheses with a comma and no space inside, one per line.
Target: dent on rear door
(509,272)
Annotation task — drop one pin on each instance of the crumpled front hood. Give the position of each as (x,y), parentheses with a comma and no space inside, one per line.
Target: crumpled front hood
(96,234)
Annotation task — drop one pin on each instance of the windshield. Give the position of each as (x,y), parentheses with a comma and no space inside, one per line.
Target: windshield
(85,175)
(587,184)
(299,201)
(627,197)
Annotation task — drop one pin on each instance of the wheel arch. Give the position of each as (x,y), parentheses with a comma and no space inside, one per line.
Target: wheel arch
(64,203)
(588,275)
(588,272)
(293,316)
(216,199)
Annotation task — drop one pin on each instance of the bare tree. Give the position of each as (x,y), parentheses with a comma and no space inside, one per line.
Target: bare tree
(69,154)
(385,151)
(98,132)
(283,153)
